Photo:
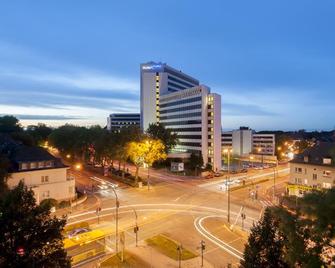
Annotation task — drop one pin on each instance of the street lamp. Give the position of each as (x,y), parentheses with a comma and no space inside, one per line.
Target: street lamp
(117,204)
(136,226)
(275,173)
(228,151)
(260,152)
(78,166)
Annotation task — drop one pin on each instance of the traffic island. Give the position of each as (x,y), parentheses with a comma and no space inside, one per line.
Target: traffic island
(129,260)
(170,248)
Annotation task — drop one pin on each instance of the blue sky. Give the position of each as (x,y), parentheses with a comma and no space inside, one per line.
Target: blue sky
(77,61)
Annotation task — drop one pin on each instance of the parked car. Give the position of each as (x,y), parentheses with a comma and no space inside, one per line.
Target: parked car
(244,170)
(209,176)
(77,231)
(217,174)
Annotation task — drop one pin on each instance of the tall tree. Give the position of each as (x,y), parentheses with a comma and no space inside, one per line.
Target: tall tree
(145,151)
(30,237)
(39,133)
(265,244)
(158,131)
(4,165)
(195,162)
(9,124)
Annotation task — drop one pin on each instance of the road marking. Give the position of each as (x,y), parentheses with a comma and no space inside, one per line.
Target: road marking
(223,245)
(242,177)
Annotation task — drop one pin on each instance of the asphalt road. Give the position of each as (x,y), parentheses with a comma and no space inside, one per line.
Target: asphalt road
(186,209)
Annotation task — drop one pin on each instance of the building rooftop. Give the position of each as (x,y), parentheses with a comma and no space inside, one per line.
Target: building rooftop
(18,153)
(323,153)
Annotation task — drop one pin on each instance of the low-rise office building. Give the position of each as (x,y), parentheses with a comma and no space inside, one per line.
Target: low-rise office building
(314,169)
(116,121)
(40,171)
(245,141)
(195,115)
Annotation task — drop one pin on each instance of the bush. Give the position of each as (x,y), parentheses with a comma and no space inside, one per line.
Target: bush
(64,204)
(50,202)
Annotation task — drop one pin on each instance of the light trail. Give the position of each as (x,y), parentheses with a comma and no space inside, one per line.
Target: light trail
(221,244)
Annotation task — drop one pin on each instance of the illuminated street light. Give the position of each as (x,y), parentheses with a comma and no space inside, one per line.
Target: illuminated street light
(279,148)
(78,166)
(68,156)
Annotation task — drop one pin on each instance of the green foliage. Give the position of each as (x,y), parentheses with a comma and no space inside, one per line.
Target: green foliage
(306,230)
(9,124)
(4,165)
(195,162)
(158,131)
(265,244)
(39,133)
(23,224)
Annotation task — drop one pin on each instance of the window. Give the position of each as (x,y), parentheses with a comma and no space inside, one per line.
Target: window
(41,164)
(326,185)
(33,165)
(298,170)
(46,194)
(45,179)
(315,177)
(326,173)
(305,181)
(24,166)
(49,164)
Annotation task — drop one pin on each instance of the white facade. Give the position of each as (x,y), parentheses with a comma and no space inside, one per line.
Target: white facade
(195,115)
(159,79)
(264,144)
(46,183)
(244,141)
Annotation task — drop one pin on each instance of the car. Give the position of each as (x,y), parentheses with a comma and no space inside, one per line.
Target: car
(209,176)
(77,231)
(113,185)
(217,174)
(103,186)
(244,170)
(234,171)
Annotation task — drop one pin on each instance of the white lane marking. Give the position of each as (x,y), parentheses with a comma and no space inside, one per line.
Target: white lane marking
(243,176)
(223,245)
(248,221)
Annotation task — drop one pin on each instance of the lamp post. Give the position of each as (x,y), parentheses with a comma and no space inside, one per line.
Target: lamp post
(228,151)
(117,204)
(260,152)
(275,173)
(136,226)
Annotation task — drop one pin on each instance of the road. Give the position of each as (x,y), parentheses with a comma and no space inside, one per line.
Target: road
(186,209)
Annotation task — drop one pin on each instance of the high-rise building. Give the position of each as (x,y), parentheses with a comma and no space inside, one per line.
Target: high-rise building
(195,115)
(117,121)
(159,79)
(179,102)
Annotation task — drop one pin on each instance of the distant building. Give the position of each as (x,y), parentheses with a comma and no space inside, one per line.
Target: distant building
(195,115)
(245,141)
(314,169)
(117,121)
(40,171)
(159,79)
(264,144)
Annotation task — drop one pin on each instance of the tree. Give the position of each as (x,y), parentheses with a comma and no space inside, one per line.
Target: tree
(30,237)
(145,151)
(9,124)
(195,162)
(158,131)
(39,133)
(265,244)
(4,165)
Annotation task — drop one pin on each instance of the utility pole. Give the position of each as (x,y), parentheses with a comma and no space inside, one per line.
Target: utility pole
(228,183)
(148,179)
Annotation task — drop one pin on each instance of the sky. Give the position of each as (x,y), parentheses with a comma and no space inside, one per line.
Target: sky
(77,61)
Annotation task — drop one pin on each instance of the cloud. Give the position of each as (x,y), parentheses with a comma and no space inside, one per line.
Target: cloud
(233,109)
(44,117)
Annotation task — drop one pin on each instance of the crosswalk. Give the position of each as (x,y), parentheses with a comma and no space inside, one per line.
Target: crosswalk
(266,203)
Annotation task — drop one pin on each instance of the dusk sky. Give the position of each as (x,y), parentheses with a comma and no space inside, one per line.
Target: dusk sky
(78,61)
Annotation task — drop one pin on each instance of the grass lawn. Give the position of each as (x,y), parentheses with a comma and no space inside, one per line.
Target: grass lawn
(168,247)
(130,261)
